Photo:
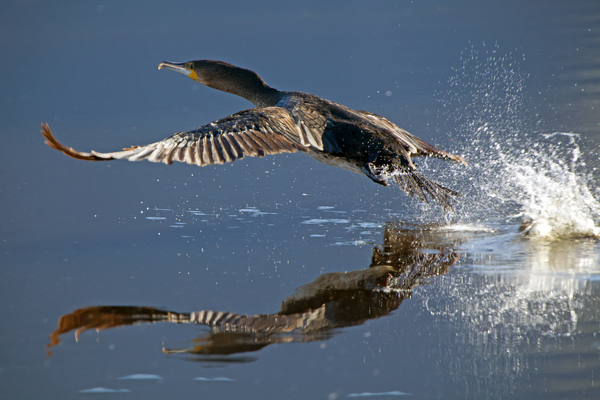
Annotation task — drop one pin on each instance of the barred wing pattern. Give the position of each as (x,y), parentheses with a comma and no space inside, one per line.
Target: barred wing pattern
(253,133)
(262,324)
(310,123)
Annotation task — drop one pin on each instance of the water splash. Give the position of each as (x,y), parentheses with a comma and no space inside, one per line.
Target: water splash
(540,180)
(556,201)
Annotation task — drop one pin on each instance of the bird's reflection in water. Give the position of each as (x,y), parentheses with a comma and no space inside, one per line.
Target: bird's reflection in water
(408,257)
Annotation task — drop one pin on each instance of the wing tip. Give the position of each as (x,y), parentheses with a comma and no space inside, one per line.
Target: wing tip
(459,159)
(52,142)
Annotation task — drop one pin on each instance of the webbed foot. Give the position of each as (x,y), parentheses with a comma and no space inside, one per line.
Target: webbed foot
(372,172)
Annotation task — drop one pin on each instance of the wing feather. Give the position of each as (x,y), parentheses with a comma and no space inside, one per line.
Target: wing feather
(414,145)
(155,156)
(214,151)
(235,146)
(254,133)
(143,153)
(225,149)
(207,153)
(255,149)
(308,123)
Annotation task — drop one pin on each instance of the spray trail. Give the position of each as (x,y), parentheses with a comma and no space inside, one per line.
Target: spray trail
(539,180)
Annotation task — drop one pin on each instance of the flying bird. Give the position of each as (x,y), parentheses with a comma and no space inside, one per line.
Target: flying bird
(286,122)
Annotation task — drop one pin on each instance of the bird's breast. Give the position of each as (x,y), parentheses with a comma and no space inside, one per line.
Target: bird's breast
(337,161)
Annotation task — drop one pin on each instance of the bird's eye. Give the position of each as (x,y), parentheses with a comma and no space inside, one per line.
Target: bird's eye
(191,66)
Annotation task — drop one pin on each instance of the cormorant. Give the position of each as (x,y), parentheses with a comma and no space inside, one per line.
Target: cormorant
(286,122)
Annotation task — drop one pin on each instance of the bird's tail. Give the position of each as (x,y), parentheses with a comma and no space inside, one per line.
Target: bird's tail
(416,184)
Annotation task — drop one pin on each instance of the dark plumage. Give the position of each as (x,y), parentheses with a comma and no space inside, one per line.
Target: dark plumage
(286,122)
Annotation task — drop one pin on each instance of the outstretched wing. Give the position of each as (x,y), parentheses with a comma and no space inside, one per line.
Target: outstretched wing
(414,145)
(252,133)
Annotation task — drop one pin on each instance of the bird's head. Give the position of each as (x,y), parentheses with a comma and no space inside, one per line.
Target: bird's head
(225,77)
(214,73)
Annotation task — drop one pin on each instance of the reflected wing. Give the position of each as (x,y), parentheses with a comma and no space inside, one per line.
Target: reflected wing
(253,133)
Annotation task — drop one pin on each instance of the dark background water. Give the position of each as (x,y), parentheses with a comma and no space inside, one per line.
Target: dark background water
(512,319)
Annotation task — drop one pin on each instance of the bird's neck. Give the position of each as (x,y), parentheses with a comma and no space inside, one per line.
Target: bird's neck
(243,83)
(259,95)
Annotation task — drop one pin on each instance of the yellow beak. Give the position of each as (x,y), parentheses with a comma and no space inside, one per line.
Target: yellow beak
(178,67)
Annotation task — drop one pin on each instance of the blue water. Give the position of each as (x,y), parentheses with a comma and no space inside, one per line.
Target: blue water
(351,289)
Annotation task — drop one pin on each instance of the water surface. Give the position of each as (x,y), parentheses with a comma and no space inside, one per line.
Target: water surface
(114,274)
